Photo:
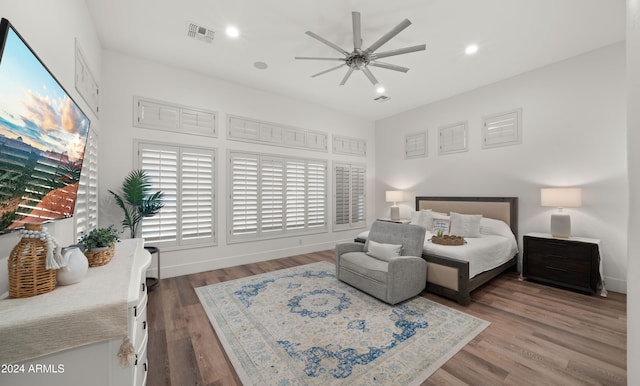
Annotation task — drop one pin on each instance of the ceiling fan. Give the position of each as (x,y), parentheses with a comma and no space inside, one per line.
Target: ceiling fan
(360,59)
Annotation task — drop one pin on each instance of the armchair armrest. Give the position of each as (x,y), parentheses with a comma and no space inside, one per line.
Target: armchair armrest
(343,248)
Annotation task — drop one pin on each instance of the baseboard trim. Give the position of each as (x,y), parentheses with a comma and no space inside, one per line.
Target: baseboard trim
(615,285)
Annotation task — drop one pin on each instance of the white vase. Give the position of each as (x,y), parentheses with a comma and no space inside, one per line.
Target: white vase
(76,268)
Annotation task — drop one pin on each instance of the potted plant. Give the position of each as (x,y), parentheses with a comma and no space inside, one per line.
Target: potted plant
(99,245)
(137,201)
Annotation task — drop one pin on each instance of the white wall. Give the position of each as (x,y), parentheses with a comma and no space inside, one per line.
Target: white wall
(633,144)
(125,77)
(573,135)
(51,29)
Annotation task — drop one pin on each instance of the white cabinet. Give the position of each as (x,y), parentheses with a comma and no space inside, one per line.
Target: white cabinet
(95,363)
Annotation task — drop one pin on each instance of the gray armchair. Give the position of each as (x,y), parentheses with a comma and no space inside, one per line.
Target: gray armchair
(390,279)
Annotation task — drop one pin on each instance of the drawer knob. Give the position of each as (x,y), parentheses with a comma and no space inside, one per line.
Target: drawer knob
(144,325)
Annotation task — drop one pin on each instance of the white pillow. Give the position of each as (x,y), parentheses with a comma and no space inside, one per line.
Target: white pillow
(465,225)
(415,217)
(383,251)
(490,226)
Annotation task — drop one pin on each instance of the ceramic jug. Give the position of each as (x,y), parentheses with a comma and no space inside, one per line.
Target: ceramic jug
(76,267)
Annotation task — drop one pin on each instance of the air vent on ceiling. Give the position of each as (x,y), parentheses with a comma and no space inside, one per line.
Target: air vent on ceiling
(199,32)
(381,98)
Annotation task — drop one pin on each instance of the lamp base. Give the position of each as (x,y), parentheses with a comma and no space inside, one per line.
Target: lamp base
(395,213)
(560,225)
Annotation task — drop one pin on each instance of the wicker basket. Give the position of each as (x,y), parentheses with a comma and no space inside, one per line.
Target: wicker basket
(100,257)
(28,274)
(448,240)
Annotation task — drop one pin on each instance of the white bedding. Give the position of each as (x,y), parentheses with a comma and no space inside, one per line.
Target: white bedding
(483,253)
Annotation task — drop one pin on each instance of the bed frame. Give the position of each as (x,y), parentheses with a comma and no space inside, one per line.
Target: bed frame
(450,277)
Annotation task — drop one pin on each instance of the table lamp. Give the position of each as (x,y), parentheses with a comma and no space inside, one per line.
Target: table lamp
(561,198)
(394,196)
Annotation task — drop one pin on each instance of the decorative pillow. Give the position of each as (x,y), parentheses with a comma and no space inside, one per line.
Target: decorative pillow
(426,218)
(465,225)
(490,226)
(383,251)
(439,222)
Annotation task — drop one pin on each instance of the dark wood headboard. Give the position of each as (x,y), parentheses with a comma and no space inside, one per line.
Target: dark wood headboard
(500,208)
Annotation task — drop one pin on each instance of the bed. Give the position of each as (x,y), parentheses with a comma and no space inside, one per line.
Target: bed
(451,272)
(449,277)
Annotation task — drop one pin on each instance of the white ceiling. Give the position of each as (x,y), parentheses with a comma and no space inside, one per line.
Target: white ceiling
(514,36)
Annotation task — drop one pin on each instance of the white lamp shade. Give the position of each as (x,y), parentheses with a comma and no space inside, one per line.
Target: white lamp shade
(393,195)
(561,197)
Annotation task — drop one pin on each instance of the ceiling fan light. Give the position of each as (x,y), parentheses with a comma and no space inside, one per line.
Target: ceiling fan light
(380,89)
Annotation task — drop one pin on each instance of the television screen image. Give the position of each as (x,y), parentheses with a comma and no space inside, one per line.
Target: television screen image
(43,134)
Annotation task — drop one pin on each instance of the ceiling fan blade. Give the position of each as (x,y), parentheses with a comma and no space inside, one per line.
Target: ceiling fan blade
(389,35)
(399,51)
(329,70)
(357,31)
(389,66)
(369,75)
(317,58)
(325,41)
(346,77)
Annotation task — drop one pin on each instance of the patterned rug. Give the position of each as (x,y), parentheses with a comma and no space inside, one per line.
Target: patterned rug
(301,326)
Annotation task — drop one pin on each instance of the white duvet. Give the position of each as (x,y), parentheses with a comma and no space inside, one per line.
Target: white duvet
(495,246)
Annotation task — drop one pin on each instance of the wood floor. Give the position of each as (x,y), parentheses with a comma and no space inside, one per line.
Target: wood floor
(538,335)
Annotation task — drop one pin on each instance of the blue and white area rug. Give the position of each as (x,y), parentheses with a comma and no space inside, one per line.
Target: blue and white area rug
(301,326)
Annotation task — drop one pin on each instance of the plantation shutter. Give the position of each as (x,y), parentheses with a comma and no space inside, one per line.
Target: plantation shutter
(415,145)
(317,194)
(197,195)
(295,194)
(86,210)
(271,194)
(342,189)
(274,195)
(349,195)
(161,164)
(244,194)
(453,138)
(502,129)
(357,195)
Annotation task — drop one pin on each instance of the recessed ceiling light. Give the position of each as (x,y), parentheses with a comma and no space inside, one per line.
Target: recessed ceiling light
(379,89)
(260,65)
(471,49)
(232,32)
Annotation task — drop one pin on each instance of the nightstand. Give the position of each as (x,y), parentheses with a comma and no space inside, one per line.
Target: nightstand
(573,263)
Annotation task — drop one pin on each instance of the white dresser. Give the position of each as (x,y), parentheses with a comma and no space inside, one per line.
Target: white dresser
(74,333)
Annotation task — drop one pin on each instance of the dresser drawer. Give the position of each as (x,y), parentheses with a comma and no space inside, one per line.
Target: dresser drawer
(563,272)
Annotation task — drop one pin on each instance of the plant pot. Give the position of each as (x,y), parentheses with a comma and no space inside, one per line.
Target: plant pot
(100,256)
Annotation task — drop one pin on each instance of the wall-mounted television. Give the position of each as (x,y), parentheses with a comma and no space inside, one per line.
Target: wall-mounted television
(43,134)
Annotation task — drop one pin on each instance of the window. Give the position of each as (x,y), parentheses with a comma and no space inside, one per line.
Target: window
(349,195)
(153,114)
(453,138)
(253,130)
(415,145)
(349,146)
(86,210)
(186,176)
(502,129)
(272,196)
